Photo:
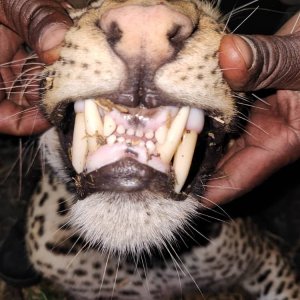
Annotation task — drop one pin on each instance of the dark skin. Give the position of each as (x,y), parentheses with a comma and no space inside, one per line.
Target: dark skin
(274,140)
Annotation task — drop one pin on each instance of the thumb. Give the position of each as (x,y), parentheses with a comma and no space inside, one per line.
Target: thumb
(258,62)
(41,23)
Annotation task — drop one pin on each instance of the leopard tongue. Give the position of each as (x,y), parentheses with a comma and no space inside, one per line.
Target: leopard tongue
(165,142)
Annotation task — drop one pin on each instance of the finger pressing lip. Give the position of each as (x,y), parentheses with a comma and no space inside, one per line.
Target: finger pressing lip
(41,23)
(258,62)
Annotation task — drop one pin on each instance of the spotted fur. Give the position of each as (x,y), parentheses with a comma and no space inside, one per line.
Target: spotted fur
(126,246)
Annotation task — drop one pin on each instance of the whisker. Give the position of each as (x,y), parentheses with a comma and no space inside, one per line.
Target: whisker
(245,19)
(260,99)
(246,119)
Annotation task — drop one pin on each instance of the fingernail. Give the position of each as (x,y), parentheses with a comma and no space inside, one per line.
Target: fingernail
(52,37)
(245,47)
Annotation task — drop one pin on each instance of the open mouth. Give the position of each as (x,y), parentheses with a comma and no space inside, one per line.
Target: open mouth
(162,138)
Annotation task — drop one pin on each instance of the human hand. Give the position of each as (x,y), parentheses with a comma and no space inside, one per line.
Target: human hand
(272,137)
(41,24)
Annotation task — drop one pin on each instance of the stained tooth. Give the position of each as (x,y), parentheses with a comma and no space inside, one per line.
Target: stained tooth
(111,139)
(120,129)
(80,145)
(168,148)
(183,158)
(130,131)
(109,125)
(150,146)
(94,125)
(196,120)
(139,133)
(149,134)
(161,134)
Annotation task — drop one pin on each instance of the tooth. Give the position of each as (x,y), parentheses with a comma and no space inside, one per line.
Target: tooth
(111,139)
(94,126)
(120,129)
(168,148)
(80,145)
(196,120)
(161,134)
(149,134)
(130,131)
(183,158)
(150,146)
(139,133)
(109,125)
(79,106)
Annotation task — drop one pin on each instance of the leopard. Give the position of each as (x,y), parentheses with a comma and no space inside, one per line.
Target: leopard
(141,115)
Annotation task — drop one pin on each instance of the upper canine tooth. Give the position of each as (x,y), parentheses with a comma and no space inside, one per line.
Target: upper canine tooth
(168,148)
(80,146)
(183,158)
(109,125)
(94,125)
(196,120)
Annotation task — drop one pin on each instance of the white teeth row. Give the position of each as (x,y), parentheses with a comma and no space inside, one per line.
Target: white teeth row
(177,142)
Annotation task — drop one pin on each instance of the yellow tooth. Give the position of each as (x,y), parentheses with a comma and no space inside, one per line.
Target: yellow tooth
(161,134)
(168,148)
(80,145)
(183,158)
(94,125)
(109,125)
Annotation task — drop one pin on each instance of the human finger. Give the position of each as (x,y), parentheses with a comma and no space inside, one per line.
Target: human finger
(41,23)
(258,62)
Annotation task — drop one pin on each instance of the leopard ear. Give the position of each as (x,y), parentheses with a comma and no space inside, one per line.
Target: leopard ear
(77,4)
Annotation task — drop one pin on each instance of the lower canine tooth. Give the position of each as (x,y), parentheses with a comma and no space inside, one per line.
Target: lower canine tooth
(167,150)
(80,146)
(183,158)
(94,125)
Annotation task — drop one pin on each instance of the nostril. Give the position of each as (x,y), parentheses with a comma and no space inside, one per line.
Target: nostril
(177,35)
(114,34)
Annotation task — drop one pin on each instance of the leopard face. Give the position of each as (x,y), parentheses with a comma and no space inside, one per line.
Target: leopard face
(136,90)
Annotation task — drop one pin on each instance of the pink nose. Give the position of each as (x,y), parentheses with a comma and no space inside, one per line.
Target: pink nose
(151,34)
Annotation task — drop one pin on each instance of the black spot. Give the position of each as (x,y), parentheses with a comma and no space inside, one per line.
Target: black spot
(110,272)
(295,295)
(61,272)
(62,209)
(263,276)
(80,272)
(200,76)
(280,288)
(183,78)
(85,65)
(129,293)
(96,265)
(268,287)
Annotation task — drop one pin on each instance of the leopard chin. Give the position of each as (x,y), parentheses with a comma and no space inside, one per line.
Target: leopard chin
(141,116)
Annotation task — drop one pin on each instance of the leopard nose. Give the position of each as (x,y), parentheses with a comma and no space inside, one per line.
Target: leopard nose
(147,34)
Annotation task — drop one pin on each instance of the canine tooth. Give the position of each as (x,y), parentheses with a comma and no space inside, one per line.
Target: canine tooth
(168,148)
(183,158)
(109,125)
(111,139)
(149,134)
(130,131)
(120,129)
(196,120)
(80,145)
(161,134)
(94,125)
(150,146)
(79,106)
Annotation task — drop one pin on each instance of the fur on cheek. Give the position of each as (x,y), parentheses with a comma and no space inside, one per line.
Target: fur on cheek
(131,223)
